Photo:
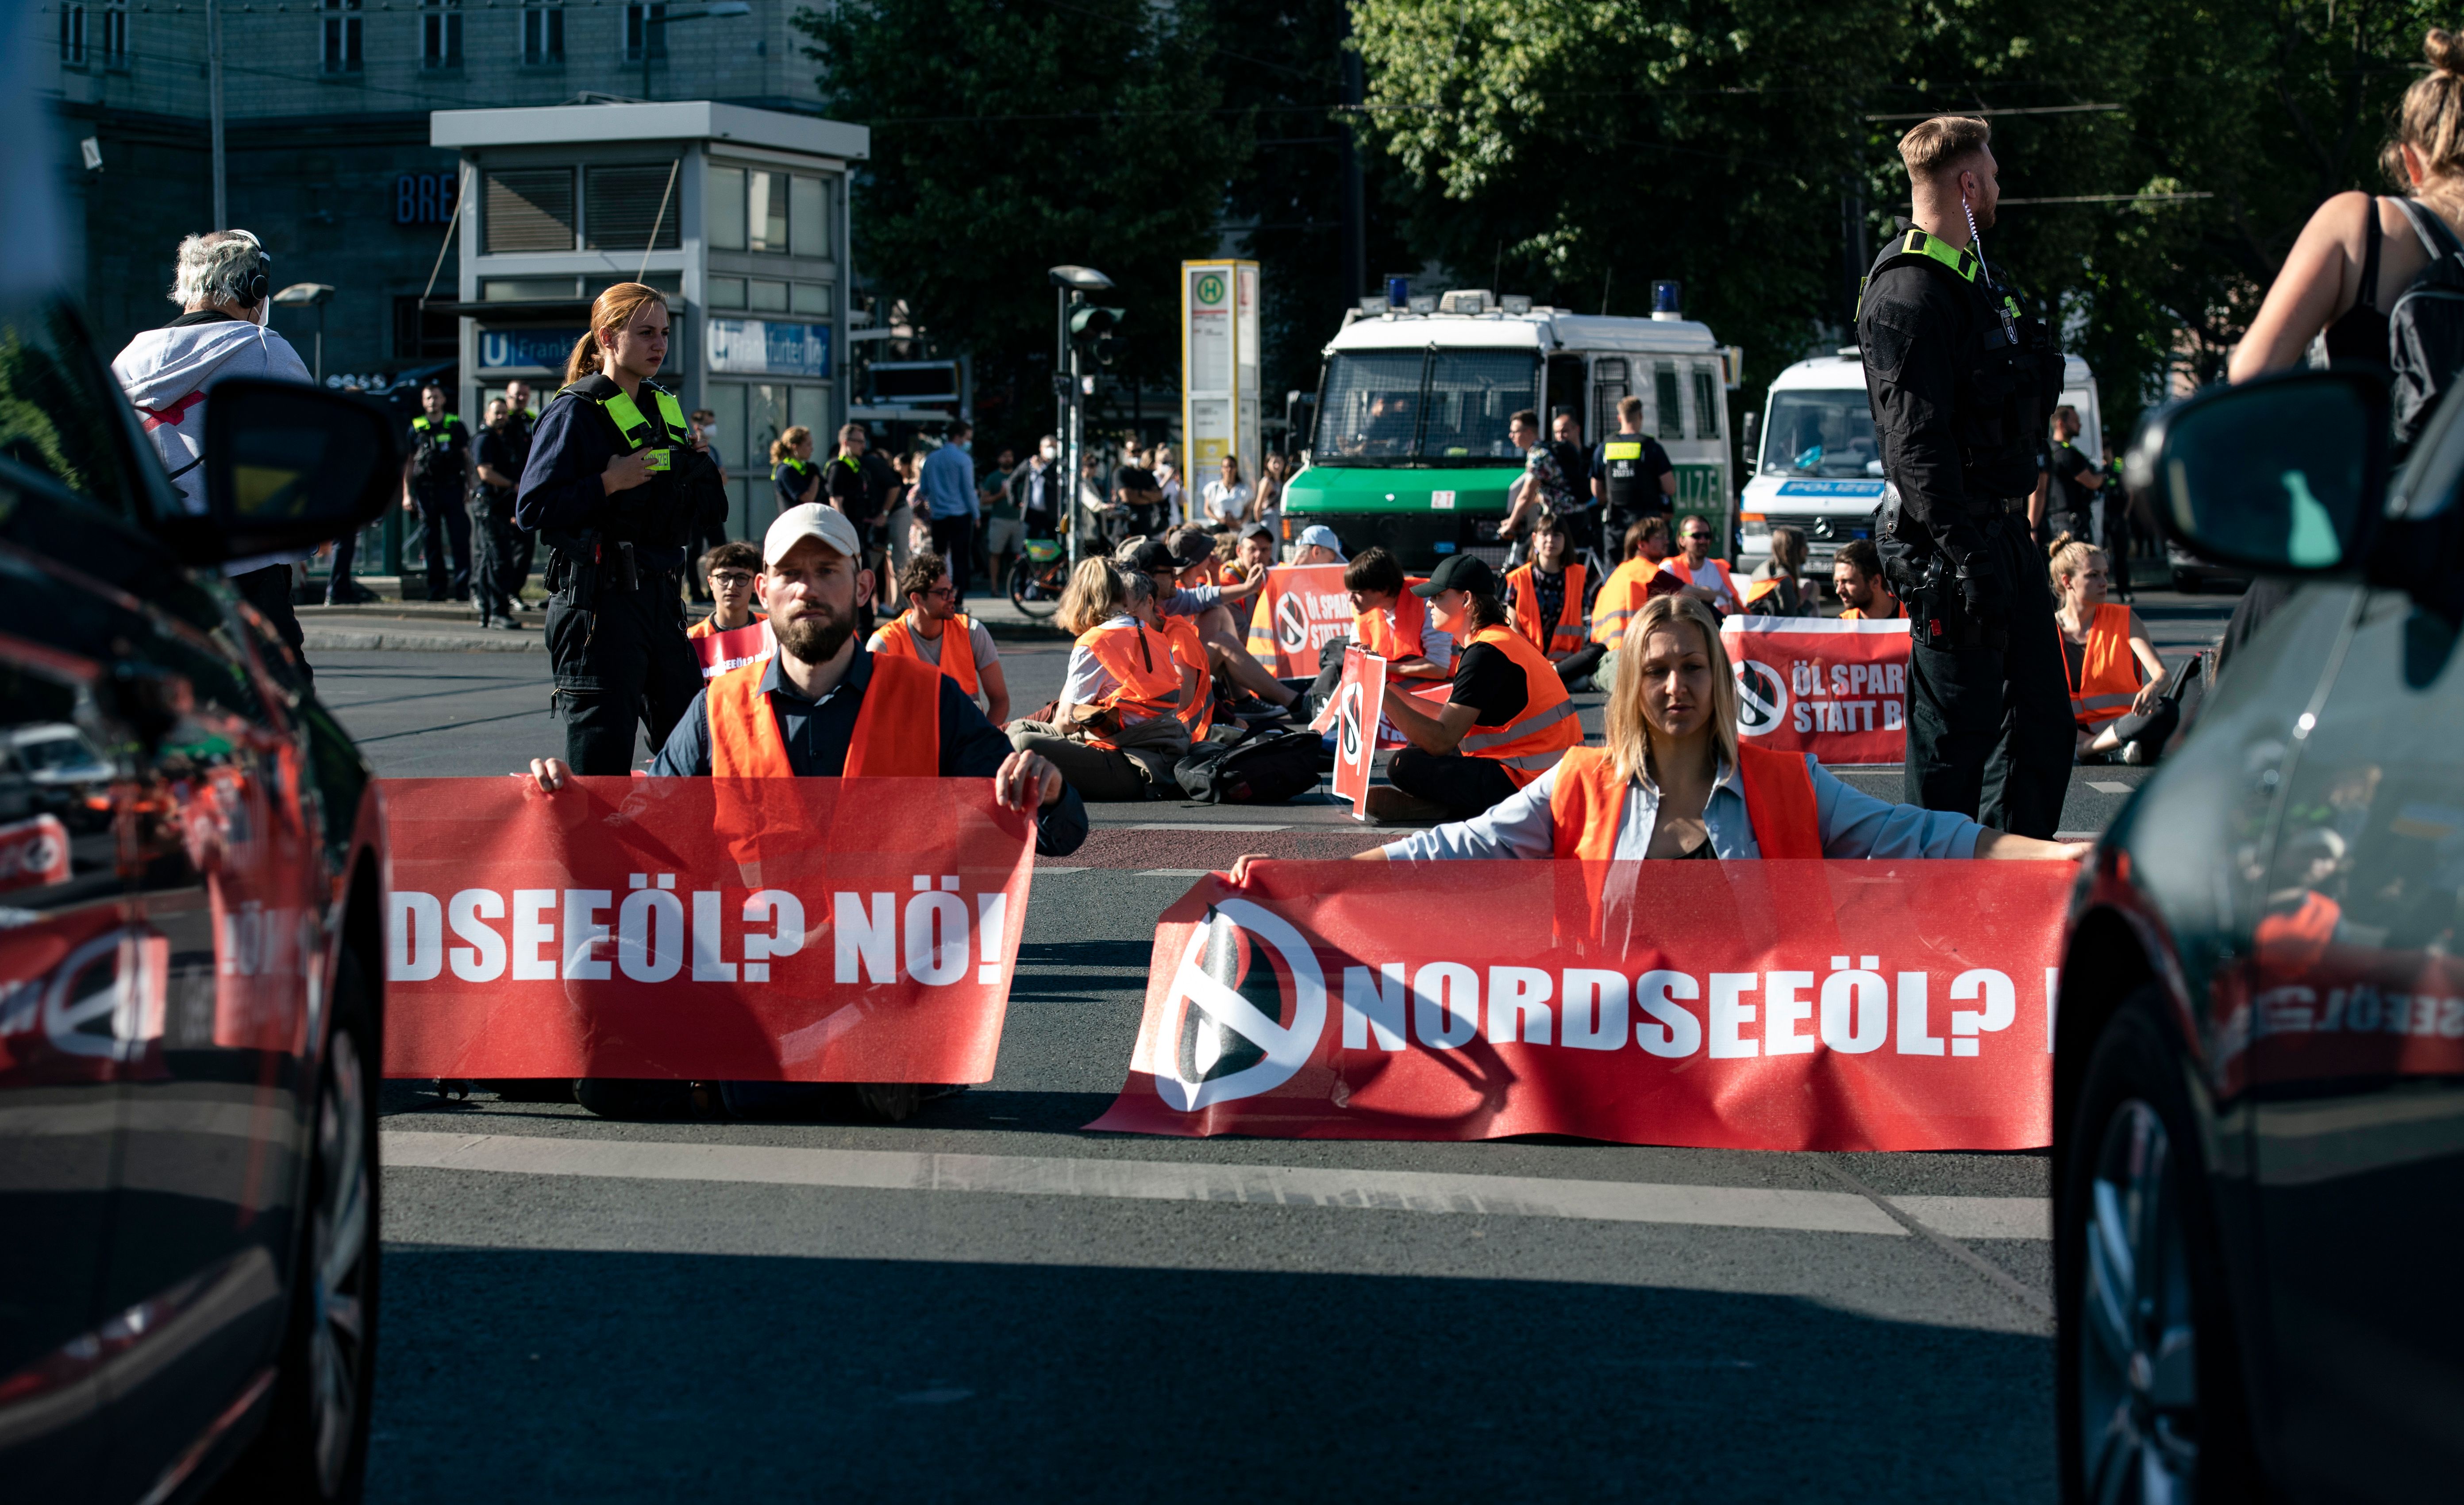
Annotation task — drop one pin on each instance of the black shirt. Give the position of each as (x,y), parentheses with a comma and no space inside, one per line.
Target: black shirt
(849,488)
(561,489)
(1577,463)
(438,453)
(1549,593)
(817,734)
(1491,683)
(2068,495)
(503,450)
(1633,482)
(789,478)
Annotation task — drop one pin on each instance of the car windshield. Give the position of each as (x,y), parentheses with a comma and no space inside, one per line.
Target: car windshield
(46,753)
(1821,433)
(1415,407)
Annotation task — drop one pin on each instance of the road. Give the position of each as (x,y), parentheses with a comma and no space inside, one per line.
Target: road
(962,1307)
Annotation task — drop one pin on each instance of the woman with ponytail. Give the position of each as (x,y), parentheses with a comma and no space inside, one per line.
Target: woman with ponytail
(616,484)
(2120,699)
(793,475)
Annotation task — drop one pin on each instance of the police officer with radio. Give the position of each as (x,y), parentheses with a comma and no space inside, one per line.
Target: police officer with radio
(436,485)
(1961,383)
(616,483)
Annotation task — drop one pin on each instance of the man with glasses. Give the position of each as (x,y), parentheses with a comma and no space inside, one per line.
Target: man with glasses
(1704,578)
(729,573)
(932,628)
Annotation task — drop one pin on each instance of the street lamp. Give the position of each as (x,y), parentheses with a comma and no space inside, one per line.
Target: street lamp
(313,295)
(670,18)
(1070,283)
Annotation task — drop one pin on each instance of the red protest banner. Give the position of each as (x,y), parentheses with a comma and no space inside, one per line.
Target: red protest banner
(33,852)
(1837,688)
(1776,1005)
(721,652)
(754,929)
(1356,716)
(1301,608)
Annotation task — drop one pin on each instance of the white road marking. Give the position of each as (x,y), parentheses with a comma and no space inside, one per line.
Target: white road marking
(1173,873)
(1045,867)
(1182,1181)
(1191,826)
(2107,786)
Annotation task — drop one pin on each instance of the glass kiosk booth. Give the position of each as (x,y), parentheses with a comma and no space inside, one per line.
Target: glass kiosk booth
(738,214)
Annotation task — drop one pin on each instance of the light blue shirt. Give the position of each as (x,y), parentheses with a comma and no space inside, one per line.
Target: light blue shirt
(949,482)
(1853,823)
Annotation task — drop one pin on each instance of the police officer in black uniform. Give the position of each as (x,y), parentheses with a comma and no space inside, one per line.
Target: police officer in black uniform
(1960,383)
(439,483)
(616,483)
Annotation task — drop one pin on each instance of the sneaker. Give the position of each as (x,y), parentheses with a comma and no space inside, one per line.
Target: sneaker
(2136,754)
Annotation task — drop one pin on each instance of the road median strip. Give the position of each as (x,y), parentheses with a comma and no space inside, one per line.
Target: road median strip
(1184,1181)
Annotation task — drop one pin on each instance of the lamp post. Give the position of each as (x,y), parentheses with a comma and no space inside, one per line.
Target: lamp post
(670,18)
(313,295)
(1071,285)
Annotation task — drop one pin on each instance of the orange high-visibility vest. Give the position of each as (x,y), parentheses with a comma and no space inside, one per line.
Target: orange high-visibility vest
(1566,634)
(1531,744)
(1898,609)
(2108,679)
(708,627)
(897,729)
(1139,660)
(1189,649)
(898,637)
(2295,943)
(1400,639)
(1621,595)
(1756,590)
(1587,801)
(1715,574)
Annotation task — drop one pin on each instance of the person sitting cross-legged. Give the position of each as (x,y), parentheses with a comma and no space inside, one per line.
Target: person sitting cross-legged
(933,630)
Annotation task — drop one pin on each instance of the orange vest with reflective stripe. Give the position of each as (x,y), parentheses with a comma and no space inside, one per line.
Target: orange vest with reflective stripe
(1898,610)
(1401,640)
(1621,595)
(2108,679)
(1189,649)
(1566,634)
(1139,660)
(898,637)
(707,627)
(1715,574)
(897,729)
(1528,745)
(1756,590)
(1587,801)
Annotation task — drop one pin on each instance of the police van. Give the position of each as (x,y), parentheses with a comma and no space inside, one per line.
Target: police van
(1410,450)
(1819,468)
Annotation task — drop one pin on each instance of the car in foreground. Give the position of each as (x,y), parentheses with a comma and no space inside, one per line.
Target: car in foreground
(2258,1068)
(191,1027)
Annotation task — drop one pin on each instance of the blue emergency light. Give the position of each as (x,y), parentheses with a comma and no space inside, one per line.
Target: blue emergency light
(1663,295)
(1399,292)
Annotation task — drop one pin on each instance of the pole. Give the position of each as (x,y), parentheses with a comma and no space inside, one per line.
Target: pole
(214,105)
(1356,219)
(321,342)
(646,51)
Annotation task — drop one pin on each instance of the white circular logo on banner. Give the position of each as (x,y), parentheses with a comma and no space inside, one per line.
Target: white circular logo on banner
(1292,625)
(1287,1048)
(1347,720)
(1762,698)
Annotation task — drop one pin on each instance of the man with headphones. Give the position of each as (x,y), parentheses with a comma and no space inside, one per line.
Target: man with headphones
(222,285)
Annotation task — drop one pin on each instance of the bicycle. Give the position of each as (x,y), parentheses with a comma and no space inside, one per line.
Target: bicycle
(1037,577)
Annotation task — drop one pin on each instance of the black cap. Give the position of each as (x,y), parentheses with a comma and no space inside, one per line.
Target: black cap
(1149,558)
(1467,572)
(1257,530)
(1194,549)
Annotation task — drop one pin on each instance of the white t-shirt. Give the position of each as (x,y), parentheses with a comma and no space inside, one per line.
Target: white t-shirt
(929,649)
(1228,503)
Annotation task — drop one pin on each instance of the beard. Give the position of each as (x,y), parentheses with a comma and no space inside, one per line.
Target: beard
(816,636)
(1983,216)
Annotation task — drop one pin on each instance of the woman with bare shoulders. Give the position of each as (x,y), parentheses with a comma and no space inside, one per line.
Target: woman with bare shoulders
(2355,258)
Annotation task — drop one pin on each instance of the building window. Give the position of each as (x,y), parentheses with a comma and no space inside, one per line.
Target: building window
(115,35)
(425,333)
(530,208)
(73,36)
(440,33)
(624,208)
(747,209)
(644,24)
(341,20)
(543,32)
(1663,392)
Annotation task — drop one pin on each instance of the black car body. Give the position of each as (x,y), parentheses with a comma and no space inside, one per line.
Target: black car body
(2259,1058)
(190,1022)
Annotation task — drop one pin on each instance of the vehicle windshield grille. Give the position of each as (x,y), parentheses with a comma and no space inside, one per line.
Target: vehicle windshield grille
(1412,406)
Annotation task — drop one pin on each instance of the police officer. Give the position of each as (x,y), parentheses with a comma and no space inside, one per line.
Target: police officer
(616,484)
(1960,383)
(437,487)
(1631,473)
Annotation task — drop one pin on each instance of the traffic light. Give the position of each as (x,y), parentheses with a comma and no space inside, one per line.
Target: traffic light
(1091,327)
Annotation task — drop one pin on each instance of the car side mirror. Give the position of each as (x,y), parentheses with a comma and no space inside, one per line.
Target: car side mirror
(2285,474)
(287,466)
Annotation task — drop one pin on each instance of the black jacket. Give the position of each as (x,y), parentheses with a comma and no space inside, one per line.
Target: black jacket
(563,497)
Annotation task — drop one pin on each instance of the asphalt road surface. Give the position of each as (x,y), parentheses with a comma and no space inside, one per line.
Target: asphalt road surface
(988,1302)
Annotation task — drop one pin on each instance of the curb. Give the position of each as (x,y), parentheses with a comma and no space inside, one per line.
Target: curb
(413,640)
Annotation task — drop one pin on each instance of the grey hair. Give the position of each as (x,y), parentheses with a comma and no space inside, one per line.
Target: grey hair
(215,268)
(1137,589)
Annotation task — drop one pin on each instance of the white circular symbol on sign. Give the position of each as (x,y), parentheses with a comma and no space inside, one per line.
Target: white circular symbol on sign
(1287,1048)
(1292,625)
(1347,720)
(1762,698)
(38,854)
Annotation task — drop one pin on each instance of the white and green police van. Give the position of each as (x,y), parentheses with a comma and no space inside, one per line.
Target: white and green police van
(1410,449)
(1819,469)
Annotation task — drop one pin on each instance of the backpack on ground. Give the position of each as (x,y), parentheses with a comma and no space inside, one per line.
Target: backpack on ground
(2426,327)
(1267,768)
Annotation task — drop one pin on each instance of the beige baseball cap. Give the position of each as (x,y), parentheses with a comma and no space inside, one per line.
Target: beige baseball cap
(826,525)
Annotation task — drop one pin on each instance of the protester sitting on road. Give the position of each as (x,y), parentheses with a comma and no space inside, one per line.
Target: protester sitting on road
(823,707)
(1255,554)
(1505,724)
(1387,620)
(924,631)
(1183,593)
(2119,695)
(1551,606)
(1317,544)
(1115,731)
(1636,579)
(1856,575)
(1778,587)
(793,475)
(1706,579)
(1162,569)
(730,571)
(1675,781)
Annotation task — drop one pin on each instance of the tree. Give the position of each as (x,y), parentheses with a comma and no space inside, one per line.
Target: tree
(1011,136)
